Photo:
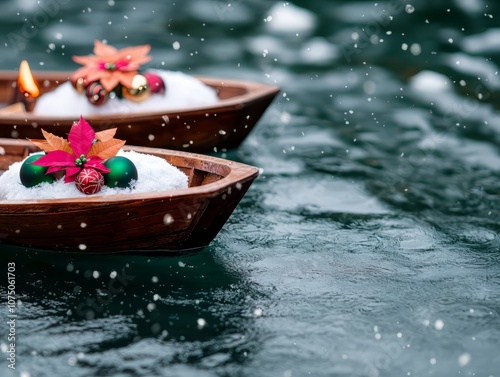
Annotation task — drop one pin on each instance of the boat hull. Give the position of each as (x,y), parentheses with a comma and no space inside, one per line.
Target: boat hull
(201,129)
(169,221)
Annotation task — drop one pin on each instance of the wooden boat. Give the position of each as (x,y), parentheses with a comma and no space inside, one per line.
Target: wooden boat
(174,221)
(200,129)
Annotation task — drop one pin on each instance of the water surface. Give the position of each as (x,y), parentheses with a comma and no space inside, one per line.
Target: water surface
(367,247)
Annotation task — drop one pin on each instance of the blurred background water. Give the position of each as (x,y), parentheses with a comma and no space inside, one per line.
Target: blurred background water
(369,246)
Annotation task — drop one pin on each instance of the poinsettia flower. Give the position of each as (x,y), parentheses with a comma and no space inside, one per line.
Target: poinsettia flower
(111,66)
(105,145)
(81,139)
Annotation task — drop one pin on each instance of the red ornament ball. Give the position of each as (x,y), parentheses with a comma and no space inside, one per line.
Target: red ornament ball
(96,94)
(155,82)
(89,181)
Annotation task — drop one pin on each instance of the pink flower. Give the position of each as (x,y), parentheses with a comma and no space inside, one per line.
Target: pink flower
(81,137)
(111,66)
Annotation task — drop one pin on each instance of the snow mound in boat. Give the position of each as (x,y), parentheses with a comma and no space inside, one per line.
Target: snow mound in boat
(154,174)
(182,91)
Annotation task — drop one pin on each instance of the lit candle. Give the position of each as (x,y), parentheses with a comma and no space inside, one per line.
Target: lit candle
(25,95)
(27,86)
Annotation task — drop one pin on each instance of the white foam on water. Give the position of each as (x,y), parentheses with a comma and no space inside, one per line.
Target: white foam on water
(430,81)
(288,18)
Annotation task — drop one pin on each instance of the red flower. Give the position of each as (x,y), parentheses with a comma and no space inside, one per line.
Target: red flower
(81,137)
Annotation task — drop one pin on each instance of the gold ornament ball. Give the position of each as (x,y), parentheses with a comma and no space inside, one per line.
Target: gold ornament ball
(139,91)
(80,84)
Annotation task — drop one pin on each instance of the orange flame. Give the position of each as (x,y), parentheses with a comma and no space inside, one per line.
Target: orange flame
(26,82)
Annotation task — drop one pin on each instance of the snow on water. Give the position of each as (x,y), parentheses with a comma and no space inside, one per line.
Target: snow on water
(474,66)
(288,18)
(430,81)
(486,42)
(319,50)
(182,91)
(154,174)
(472,6)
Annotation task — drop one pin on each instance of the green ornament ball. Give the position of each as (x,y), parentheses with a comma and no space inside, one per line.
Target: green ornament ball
(123,172)
(32,175)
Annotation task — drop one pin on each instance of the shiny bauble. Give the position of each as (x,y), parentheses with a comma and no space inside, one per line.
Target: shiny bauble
(123,172)
(139,90)
(32,175)
(80,84)
(96,94)
(89,181)
(155,82)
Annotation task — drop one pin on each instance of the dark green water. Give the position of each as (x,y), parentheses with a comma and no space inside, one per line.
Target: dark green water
(368,247)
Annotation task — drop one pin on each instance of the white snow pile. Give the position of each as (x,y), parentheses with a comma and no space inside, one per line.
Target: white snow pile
(182,91)
(154,174)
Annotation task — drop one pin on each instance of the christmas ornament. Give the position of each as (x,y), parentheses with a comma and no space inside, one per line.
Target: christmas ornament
(96,94)
(32,175)
(82,150)
(89,181)
(80,156)
(122,172)
(80,84)
(156,83)
(138,91)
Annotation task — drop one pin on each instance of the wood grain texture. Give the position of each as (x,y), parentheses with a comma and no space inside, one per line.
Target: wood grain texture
(171,221)
(198,129)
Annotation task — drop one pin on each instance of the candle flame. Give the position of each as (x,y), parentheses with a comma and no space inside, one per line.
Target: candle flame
(26,82)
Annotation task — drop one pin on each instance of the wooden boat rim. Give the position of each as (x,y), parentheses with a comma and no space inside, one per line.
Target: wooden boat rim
(238,172)
(254,90)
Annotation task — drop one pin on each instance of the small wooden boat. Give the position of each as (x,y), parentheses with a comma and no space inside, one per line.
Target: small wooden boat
(174,221)
(200,129)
